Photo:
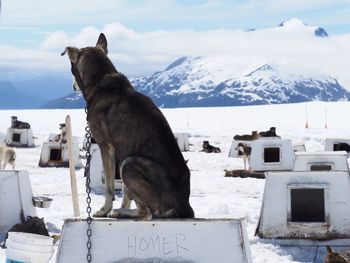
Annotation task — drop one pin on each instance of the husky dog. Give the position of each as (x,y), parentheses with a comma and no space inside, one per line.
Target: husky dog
(61,137)
(33,225)
(337,257)
(133,135)
(209,148)
(16,124)
(244,150)
(269,133)
(7,156)
(247,137)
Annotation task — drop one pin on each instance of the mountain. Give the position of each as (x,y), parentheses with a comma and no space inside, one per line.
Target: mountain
(45,87)
(32,93)
(188,86)
(228,81)
(71,101)
(296,24)
(202,82)
(12,98)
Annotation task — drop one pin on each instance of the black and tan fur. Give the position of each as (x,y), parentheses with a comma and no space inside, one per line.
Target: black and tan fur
(244,150)
(337,257)
(133,135)
(210,148)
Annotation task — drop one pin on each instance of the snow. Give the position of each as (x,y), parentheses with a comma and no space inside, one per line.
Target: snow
(212,195)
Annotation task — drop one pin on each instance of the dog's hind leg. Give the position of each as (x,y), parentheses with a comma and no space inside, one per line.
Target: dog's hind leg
(108,160)
(126,203)
(245,162)
(149,187)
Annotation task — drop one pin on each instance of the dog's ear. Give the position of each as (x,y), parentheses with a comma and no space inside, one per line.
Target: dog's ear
(329,250)
(102,43)
(73,54)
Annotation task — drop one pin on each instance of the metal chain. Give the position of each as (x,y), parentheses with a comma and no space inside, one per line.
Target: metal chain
(88,189)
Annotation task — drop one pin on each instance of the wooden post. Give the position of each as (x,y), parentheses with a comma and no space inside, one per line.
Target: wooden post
(73,178)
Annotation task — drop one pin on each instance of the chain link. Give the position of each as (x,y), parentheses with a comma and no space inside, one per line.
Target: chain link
(88,189)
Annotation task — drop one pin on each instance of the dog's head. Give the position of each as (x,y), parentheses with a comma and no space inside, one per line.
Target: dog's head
(88,64)
(205,144)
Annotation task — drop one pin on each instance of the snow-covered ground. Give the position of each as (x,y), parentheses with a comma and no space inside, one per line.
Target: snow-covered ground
(212,195)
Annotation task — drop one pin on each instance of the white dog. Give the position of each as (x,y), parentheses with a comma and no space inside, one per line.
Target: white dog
(7,155)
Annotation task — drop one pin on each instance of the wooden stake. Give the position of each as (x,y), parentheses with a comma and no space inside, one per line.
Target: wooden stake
(306,117)
(73,178)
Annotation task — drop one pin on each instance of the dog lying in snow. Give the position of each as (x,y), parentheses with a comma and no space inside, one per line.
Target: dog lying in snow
(7,156)
(209,148)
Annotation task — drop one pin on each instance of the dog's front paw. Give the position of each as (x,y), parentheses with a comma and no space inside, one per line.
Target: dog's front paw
(124,213)
(103,212)
(100,213)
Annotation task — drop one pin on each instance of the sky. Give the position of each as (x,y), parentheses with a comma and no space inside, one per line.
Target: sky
(146,36)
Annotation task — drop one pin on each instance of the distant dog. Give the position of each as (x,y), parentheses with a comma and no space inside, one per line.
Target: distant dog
(33,225)
(7,156)
(269,133)
(209,148)
(16,124)
(133,135)
(247,137)
(61,137)
(337,257)
(244,150)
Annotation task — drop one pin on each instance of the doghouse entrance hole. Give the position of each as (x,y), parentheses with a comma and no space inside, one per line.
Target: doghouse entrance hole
(16,137)
(321,167)
(307,205)
(56,154)
(341,147)
(272,155)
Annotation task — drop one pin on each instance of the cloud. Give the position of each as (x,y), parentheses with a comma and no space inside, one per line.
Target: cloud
(139,53)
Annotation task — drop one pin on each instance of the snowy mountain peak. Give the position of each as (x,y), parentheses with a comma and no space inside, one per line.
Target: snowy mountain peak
(265,67)
(294,22)
(214,81)
(297,25)
(176,63)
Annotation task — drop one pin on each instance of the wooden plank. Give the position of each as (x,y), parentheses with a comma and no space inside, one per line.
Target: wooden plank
(197,240)
(73,177)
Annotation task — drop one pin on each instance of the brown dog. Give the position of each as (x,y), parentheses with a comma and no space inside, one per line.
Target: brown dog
(133,135)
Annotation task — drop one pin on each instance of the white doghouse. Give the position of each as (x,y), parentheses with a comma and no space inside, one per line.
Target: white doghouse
(299,147)
(321,161)
(19,137)
(305,205)
(97,182)
(235,153)
(55,154)
(16,198)
(192,240)
(272,155)
(337,144)
(182,141)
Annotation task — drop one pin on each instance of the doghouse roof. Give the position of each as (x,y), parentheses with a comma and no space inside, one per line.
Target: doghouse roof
(327,153)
